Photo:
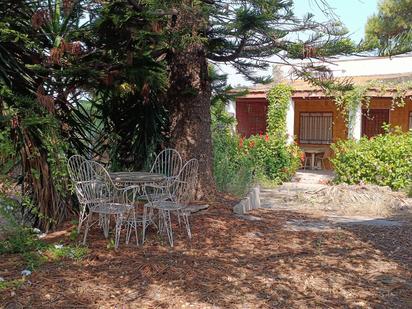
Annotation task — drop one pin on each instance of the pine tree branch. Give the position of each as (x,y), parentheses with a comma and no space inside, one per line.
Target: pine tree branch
(232,56)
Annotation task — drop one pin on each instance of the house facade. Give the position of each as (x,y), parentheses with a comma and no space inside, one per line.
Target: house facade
(313,118)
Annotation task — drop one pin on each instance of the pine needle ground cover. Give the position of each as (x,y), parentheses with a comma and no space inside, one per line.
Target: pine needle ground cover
(231,263)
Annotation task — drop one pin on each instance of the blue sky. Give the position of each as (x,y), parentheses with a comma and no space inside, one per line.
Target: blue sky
(353,14)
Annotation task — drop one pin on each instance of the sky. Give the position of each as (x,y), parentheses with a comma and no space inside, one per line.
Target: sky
(353,13)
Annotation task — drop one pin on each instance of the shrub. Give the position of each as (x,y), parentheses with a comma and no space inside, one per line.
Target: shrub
(384,160)
(267,159)
(274,161)
(233,169)
(238,162)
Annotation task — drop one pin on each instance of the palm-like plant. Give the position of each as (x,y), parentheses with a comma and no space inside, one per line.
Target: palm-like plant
(38,97)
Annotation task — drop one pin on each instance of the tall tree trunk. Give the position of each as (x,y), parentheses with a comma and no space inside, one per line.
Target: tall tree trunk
(189,112)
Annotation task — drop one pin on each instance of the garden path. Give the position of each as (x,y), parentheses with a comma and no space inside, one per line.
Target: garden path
(302,194)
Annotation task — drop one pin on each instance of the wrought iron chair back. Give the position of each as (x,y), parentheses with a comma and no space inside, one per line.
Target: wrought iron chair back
(168,162)
(74,164)
(96,184)
(77,166)
(185,185)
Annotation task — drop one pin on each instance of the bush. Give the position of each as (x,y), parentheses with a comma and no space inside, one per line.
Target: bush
(267,159)
(274,161)
(233,169)
(238,162)
(384,160)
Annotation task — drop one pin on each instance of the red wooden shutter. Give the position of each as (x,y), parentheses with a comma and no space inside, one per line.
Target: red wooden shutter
(373,120)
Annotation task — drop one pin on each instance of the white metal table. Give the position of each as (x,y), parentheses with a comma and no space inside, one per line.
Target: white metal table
(124,179)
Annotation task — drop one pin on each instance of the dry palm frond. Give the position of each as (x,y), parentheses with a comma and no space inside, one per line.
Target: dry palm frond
(357,196)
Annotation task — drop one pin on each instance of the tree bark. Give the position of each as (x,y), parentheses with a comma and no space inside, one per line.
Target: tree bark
(188,103)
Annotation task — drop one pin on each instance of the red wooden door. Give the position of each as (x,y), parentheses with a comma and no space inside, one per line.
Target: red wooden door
(251,117)
(373,120)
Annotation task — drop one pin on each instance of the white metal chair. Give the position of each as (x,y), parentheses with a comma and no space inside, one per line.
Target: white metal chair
(321,158)
(168,162)
(307,161)
(75,164)
(180,191)
(105,200)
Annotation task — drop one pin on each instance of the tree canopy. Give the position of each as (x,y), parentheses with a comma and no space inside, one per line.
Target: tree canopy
(123,79)
(390,30)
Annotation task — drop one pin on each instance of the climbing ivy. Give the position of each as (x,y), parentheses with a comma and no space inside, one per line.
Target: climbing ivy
(278,98)
(348,100)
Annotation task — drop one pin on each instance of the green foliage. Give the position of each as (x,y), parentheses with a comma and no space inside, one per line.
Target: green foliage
(4,285)
(245,33)
(384,160)
(58,252)
(233,169)
(409,190)
(133,80)
(278,98)
(21,240)
(273,159)
(34,251)
(349,99)
(268,159)
(390,30)
(239,162)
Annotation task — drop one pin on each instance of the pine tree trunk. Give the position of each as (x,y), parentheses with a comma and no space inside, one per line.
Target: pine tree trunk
(189,107)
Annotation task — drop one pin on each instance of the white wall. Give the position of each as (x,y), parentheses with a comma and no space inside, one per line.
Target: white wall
(290,121)
(363,66)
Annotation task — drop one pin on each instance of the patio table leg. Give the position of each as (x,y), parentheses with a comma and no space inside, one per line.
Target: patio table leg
(312,163)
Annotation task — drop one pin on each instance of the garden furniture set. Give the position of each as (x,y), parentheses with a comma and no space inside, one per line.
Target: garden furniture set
(135,199)
(315,158)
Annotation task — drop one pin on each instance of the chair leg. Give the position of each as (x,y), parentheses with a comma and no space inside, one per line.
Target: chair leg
(187,224)
(129,226)
(86,231)
(105,225)
(119,222)
(144,223)
(307,159)
(82,218)
(167,225)
(135,228)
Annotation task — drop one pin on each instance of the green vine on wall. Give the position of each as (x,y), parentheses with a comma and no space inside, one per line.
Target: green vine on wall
(279,99)
(347,101)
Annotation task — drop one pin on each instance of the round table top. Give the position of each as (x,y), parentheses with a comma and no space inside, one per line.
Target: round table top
(136,177)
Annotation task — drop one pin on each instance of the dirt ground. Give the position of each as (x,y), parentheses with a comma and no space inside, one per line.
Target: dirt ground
(232,262)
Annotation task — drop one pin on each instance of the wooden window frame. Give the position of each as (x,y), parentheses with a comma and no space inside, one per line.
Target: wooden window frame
(364,111)
(410,120)
(316,142)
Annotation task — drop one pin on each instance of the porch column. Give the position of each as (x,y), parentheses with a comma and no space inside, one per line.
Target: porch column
(355,123)
(290,121)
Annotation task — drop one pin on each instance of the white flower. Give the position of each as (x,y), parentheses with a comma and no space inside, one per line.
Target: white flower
(36,230)
(42,235)
(58,246)
(1,279)
(26,272)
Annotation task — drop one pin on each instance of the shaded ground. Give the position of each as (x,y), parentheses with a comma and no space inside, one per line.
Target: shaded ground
(231,263)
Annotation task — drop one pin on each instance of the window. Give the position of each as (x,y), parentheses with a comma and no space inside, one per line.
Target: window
(315,128)
(373,120)
(410,120)
(251,117)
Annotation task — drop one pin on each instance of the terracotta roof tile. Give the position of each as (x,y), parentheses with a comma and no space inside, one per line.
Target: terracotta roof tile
(305,89)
